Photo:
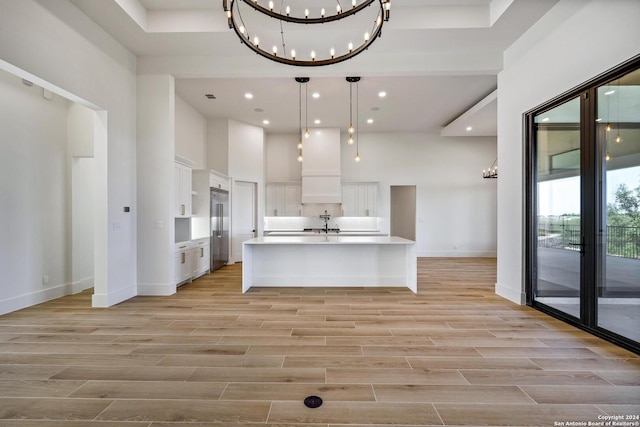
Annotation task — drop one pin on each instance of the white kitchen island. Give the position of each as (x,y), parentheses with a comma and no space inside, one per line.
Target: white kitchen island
(329,261)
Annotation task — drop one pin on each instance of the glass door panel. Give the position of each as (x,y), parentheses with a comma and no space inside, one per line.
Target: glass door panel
(618,133)
(558,208)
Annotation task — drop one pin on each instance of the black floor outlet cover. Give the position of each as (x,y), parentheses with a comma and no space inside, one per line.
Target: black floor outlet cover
(312,402)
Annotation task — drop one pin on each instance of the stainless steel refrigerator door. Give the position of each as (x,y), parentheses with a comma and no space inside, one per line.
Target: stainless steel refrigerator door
(219,228)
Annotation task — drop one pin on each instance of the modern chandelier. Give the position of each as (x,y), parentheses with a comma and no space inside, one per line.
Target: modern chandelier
(263,26)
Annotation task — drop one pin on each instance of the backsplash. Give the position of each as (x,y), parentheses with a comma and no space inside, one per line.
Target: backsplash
(285,223)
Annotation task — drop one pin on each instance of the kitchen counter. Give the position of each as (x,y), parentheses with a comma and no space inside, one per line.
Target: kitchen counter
(322,233)
(329,261)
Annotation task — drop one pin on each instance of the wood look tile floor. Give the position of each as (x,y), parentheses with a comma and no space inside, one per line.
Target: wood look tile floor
(454,354)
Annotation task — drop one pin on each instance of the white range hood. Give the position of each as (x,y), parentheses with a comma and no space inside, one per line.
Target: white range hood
(321,167)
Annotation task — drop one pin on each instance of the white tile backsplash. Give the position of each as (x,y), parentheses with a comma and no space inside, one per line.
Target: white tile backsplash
(344,223)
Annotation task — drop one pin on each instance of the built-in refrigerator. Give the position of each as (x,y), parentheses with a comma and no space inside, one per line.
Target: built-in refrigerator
(219,228)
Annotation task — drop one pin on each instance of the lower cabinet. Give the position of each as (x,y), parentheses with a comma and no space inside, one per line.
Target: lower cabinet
(200,258)
(182,259)
(192,260)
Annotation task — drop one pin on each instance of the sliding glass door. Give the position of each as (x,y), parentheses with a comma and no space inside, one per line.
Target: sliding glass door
(583,206)
(618,132)
(558,180)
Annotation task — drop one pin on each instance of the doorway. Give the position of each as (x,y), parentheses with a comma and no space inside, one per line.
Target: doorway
(403,211)
(244,216)
(583,206)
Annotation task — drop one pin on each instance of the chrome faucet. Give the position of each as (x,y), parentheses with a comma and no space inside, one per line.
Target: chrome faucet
(326,218)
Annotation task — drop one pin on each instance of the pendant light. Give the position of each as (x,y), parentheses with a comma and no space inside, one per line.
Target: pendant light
(618,137)
(301,81)
(357,158)
(351,130)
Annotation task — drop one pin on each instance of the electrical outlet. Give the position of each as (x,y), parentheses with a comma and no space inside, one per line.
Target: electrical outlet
(45,280)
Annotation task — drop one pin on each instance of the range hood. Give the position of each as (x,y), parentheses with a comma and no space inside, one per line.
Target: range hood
(321,167)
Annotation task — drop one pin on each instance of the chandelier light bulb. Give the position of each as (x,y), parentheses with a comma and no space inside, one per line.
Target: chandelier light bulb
(366,36)
(275,49)
(357,157)
(293,54)
(379,21)
(271,6)
(353,3)
(350,47)
(333,53)
(242,30)
(313,55)
(256,41)
(338,9)
(322,12)
(288,10)
(229,14)
(306,13)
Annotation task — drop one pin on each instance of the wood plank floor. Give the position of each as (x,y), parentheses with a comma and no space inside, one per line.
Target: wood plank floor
(454,354)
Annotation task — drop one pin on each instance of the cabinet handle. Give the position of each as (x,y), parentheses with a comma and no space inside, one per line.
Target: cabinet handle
(184,258)
(367,212)
(182,209)
(201,252)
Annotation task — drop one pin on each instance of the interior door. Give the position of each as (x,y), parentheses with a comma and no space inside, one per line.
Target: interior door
(244,214)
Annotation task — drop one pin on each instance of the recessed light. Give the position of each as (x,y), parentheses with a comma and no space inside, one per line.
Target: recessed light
(369,121)
(317,121)
(611,92)
(265,122)
(599,119)
(248,95)
(469,128)
(382,94)
(545,119)
(315,95)
(210,96)
(258,110)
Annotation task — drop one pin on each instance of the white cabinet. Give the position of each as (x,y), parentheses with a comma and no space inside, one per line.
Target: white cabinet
(183,263)
(283,199)
(359,199)
(200,258)
(182,187)
(321,167)
(218,181)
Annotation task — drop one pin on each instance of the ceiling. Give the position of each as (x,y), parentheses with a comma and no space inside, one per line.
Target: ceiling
(437,61)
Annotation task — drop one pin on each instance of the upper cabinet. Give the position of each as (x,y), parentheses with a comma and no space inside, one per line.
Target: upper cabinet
(321,167)
(283,199)
(182,188)
(359,199)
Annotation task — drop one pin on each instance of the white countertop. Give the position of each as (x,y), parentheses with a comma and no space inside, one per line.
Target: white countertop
(316,239)
(331,233)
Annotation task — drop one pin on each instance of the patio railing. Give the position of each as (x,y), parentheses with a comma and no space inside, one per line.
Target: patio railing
(621,241)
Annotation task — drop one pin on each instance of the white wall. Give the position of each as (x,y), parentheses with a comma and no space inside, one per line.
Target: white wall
(281,157)
(191,133)
(34,241)
(574,42)
(156,157)
(456,207)
(218,145)
(58,47)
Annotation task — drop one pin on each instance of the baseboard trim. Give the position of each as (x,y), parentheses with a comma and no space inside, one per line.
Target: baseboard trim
(513,295)
(32,298)
(156,289)
(107,300)
(82,285)
(457,254)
